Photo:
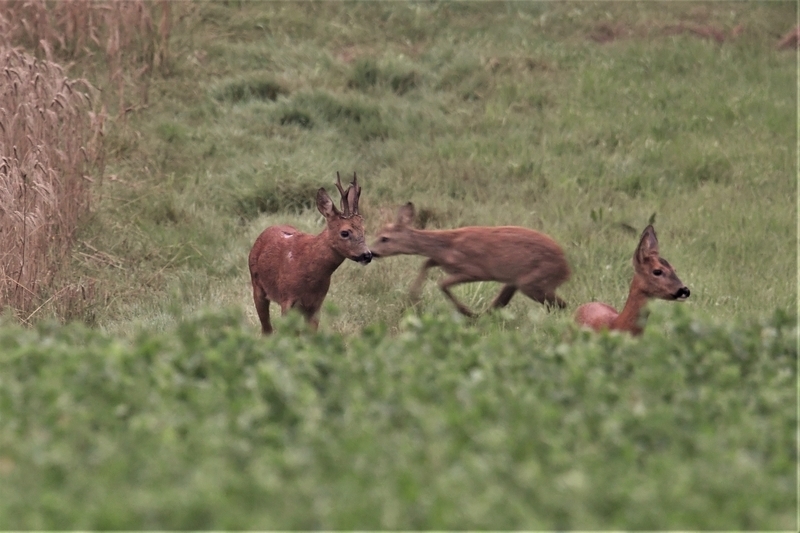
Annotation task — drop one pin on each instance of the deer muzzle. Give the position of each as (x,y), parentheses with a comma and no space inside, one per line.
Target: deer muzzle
(682,293)
(364,258)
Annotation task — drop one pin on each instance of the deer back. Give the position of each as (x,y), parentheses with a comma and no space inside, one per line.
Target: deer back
(496,253)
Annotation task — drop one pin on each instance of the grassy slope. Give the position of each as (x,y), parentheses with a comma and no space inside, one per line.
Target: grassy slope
(511,116)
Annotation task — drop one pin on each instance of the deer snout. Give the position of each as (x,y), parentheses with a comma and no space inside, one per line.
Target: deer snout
(682,293)
(364,258)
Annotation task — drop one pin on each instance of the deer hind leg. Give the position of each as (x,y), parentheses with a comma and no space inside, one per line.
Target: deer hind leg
(311,316)
(448,282)
(416,287)
(548,298)
(262,308)
(538,290)
(502,299)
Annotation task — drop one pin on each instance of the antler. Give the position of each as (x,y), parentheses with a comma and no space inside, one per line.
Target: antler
(349,201)
(353,194)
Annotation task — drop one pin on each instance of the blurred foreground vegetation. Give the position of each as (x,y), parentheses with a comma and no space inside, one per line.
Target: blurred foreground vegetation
(438,427)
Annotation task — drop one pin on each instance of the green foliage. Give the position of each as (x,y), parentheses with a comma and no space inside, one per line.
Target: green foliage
(293,115)
(467,78)
(357,119)
(207,425)
(257,194)
(243,89)
(367,75)
(171,132)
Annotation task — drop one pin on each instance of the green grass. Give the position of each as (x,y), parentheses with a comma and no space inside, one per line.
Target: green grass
(486,113)
(481,113)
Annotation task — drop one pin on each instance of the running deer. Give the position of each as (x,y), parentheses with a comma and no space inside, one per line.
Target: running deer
(521,258)
(653,277)
(294,269)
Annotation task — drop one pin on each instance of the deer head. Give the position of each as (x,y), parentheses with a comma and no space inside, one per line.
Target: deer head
(345,227)
(654,276)
(396,238)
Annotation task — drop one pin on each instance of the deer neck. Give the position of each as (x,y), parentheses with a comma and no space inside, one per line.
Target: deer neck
(431,243)
(326,259)
(634,314)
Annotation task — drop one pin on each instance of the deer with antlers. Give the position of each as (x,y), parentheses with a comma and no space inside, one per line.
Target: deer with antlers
(294,269)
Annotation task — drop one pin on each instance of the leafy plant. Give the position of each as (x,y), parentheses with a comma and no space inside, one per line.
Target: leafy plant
(439,426)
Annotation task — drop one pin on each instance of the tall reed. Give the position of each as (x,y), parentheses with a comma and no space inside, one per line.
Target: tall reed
(51,131)
(124,32)
(50,144)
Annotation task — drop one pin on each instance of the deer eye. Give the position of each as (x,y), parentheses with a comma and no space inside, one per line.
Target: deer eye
(345,234)
(657,272)
(384,239)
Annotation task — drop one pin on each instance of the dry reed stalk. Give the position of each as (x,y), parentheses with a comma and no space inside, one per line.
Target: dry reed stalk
(50,141)
(122,31)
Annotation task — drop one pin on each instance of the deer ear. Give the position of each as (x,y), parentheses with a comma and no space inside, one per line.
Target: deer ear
(648,245)
(325,205)
(405,215)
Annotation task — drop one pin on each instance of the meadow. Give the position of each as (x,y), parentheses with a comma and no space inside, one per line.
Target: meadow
(158,405)
(495,113)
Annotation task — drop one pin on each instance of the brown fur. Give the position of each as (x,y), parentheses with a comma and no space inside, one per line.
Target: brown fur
(521,258)
(645,285)
(294,268)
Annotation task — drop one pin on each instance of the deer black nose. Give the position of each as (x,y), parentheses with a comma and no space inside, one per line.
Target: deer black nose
(365,258)
(683,292)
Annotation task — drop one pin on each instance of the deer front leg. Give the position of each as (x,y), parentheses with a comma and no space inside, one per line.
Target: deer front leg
(506,293)
(551,300)
(448,282)
(416,287)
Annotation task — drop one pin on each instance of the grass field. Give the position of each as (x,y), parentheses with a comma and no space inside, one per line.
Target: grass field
(487,113)
(582,120)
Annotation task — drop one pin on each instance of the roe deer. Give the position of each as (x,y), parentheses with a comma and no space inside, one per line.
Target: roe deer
(653,277)
(521,258)
(294,268)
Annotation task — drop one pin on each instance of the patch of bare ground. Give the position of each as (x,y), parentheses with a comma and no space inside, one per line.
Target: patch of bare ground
(606,32)
(348,54)
(506,64)
(704,31)
(790,40)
